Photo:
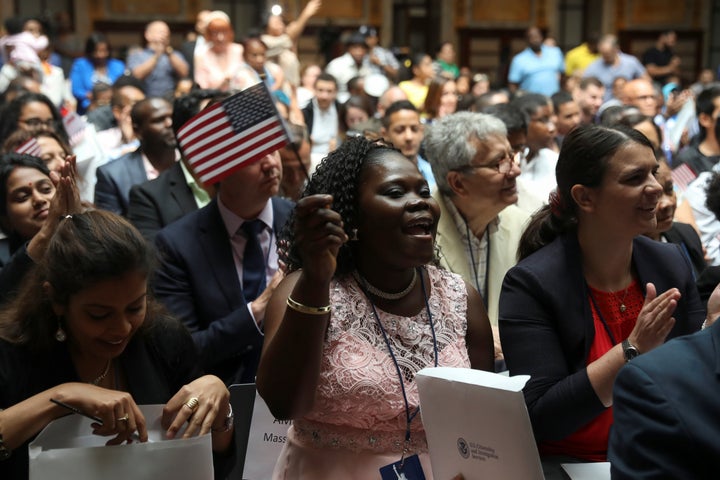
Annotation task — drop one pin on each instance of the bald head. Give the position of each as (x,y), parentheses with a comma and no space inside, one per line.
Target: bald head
(390,96)
(641,94)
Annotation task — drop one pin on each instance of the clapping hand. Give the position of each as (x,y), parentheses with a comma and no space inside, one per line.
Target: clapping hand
(655,320)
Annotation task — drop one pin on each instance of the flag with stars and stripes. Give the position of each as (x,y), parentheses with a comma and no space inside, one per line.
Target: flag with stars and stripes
(30,147)
(232,134)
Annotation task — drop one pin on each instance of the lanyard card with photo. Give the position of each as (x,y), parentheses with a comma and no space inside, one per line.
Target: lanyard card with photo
(407,469)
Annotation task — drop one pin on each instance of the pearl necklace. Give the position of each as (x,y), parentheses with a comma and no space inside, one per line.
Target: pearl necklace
(102,376)
(385,295)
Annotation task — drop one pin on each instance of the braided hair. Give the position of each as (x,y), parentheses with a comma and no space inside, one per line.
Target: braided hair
(338,175)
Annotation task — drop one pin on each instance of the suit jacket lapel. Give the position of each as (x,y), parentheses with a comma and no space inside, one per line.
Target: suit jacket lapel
(180,191)
(216,245)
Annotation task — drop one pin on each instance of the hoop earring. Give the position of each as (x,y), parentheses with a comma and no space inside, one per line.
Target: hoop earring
(60,334)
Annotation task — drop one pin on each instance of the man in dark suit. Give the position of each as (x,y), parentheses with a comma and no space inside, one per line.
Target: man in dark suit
(205,266)
(665,409)
(152,122)
(156,203)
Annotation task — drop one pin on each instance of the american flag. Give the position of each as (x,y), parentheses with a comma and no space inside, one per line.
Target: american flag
(232,134)
(30,147)
(75,127)
(682,176)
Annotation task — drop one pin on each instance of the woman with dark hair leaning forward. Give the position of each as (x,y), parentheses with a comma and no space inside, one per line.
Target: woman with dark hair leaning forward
(83,330)
(589,292)
(361,311)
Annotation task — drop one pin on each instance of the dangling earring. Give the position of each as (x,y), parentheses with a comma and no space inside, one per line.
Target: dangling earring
(354,236)
(60,334)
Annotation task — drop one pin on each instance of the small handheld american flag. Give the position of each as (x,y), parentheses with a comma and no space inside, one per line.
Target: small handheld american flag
(30,147)
(232,134)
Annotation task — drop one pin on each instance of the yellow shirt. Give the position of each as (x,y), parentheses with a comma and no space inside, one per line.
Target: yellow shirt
(577,59)
(416,93)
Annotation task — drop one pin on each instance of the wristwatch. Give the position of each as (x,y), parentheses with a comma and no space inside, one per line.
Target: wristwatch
(629,350)
(229,420)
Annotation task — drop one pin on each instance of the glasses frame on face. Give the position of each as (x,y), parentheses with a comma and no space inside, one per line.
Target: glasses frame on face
(502,167)
(36,123)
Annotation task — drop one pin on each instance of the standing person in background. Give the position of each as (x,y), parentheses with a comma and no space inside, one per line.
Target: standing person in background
(214,68)
(322,118)
(335,358)
(382,60)
(577,59)
(613,64)
(590,292)
(281,40)
(96,66)
(196,44)
(158,65)
(353,63)
(444,63)
(660,60)
(538,68)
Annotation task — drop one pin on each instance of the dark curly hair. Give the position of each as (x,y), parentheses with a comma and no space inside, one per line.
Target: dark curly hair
(338,175)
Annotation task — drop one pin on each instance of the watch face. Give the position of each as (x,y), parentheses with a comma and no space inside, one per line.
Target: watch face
(630,353)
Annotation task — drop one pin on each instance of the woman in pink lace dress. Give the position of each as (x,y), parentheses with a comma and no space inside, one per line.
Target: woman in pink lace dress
(359,314)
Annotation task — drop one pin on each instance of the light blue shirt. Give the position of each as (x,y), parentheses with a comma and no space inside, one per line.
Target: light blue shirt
(538,73)
(426,170)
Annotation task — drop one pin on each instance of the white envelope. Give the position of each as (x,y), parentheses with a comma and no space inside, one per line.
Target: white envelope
(67,450)
(477,424)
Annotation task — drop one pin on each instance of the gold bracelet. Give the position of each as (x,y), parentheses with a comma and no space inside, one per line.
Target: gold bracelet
(299,307)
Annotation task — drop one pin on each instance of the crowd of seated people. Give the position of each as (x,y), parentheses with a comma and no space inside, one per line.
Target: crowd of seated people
(558,225)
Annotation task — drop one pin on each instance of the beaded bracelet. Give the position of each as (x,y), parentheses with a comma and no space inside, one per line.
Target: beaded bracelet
(299,307)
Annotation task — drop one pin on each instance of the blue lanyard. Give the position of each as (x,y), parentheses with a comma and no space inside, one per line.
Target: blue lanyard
(408,416)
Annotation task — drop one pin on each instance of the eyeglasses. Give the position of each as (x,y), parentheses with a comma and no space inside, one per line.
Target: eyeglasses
(36,122)
(502,166)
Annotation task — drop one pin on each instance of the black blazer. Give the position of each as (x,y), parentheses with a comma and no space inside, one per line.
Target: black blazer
(665,411)
(157,203)
(547,329)
(309,114)
(198,283)
(114,180)
(690,244)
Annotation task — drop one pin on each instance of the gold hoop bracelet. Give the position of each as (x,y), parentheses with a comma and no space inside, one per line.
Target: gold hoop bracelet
(299,307)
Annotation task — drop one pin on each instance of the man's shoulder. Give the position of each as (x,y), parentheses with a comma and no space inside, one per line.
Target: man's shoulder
(113,167)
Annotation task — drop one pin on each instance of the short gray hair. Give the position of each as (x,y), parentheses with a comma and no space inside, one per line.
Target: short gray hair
(449,142)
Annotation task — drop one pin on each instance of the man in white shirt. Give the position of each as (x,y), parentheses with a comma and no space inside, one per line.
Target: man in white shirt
(321,118)
(353,63)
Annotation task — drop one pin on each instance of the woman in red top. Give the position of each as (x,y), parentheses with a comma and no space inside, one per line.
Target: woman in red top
(589,293)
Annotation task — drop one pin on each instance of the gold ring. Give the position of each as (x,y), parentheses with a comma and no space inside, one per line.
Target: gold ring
(124,418)
(192,404)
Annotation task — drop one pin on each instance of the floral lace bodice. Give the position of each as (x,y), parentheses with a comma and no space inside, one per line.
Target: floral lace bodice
(359,403)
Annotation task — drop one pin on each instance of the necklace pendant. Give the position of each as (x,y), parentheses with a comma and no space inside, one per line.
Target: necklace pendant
(622,308)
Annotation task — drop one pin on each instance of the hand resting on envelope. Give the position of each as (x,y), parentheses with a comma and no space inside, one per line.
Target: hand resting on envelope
(212,409)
